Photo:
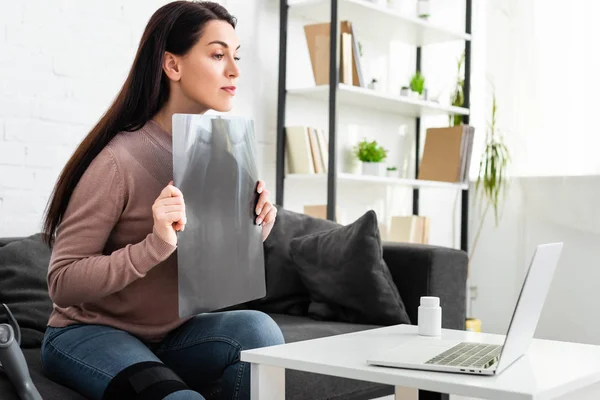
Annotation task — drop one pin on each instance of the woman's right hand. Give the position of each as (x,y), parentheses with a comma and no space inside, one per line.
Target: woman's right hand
(168,211)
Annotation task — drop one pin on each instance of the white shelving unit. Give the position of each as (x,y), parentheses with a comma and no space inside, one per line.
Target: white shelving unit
(390,24)
(366,179)
(370,99)
(379,24)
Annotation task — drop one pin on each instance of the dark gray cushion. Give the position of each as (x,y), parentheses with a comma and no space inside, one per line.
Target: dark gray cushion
(285,292)
(23,286)
(346,276)
(301,385)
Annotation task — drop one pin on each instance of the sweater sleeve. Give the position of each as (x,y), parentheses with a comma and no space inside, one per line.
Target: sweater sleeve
(79,272)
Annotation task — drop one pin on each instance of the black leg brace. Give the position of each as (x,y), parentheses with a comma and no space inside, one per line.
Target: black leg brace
(148,380)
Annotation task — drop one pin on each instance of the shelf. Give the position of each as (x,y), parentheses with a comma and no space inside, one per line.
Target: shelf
(390,24)
(414,183)
(367,98)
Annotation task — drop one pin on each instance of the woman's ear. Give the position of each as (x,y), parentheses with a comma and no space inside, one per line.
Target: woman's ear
(171,66)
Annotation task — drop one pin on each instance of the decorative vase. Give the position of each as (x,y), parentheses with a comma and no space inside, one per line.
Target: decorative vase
(373,168)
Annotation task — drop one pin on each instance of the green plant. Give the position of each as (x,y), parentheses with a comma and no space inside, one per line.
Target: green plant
(370,151)
(392,169)
(492,180)
(458,95)
(417,82)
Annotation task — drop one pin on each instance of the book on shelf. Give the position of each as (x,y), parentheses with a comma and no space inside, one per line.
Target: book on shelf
(447,154)
(307,151)
(409,229)
(346,64)
(317,40)
(320,211)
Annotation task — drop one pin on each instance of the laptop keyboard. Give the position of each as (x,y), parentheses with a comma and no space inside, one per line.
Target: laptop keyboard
(472,355)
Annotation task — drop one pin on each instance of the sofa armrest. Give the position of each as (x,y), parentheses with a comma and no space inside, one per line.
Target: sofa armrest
(426,270)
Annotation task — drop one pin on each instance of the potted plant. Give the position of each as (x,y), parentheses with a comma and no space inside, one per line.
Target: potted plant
(391,172)
(492,181)
(417,83)
(458,96)
(404,91)
(371,155)
(423,9)
(374,84)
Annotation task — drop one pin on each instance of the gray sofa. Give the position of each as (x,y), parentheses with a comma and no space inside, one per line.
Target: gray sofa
(417,270)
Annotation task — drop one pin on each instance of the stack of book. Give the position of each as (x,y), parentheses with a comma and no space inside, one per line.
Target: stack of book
(409,229)
(306,150)
(447,154)
(317,39)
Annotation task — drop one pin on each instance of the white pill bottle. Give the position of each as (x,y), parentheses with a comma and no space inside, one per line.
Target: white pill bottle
(430,316)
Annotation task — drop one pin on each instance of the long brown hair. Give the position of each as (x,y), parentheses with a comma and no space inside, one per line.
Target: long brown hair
(175,28)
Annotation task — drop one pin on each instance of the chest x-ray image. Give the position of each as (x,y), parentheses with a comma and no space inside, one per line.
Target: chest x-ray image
(220,253)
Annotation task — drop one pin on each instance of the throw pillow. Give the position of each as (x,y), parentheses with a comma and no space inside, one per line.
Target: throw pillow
(23,287)
(346,276)
(286,294)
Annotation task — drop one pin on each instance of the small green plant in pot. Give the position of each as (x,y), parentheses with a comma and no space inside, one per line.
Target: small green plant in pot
(371,154)
(391,172)
(417,83)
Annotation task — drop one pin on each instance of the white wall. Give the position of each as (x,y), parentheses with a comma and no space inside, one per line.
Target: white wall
(553,195)
(61,64)
(541,210)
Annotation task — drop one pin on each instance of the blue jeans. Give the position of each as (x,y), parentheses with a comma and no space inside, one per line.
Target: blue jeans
(202,351)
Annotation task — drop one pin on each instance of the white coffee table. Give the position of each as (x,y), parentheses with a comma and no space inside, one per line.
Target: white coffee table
(549,370)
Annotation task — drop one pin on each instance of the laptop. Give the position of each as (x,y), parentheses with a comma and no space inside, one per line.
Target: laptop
(481,358)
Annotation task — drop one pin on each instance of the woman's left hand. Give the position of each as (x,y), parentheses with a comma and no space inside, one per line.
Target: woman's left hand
(265,210)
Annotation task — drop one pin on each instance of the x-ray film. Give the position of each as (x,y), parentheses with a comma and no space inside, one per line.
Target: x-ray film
(220,253)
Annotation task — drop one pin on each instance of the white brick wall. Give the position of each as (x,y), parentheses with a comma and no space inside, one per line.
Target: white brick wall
(61,64)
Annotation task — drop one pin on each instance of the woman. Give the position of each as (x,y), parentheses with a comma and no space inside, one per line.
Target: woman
(112,222)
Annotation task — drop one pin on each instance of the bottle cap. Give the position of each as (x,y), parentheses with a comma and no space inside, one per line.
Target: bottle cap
(430,301)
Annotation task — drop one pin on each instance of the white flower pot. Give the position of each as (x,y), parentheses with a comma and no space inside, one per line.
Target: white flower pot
(423,9)
(392,174)
(373,168)
(374,86)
